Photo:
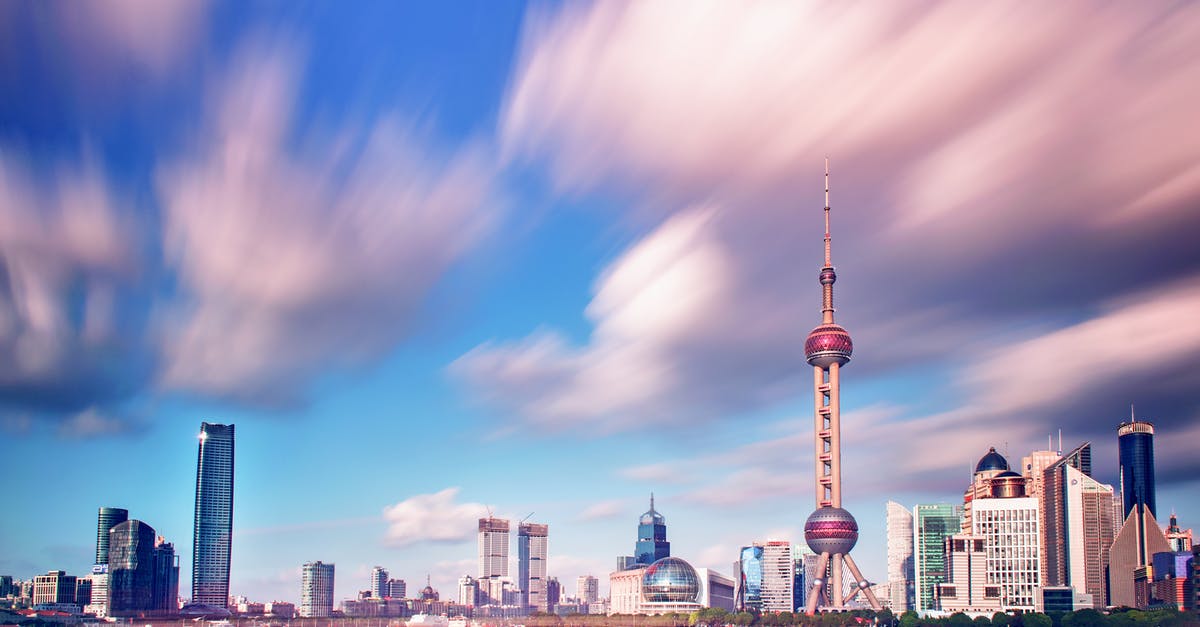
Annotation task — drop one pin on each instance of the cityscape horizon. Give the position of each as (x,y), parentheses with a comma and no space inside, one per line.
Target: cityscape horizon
(436,278)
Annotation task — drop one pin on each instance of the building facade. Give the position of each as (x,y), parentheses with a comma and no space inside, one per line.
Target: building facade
(778,577)
(932,525)
(652,544)
(625,590)
(900,573)
(468,590)
(397,589)
(131,568)
(379,582)
(967,588)
(1078,529)
(749,572)
(532,548)
(316,590)
(165,595)
(1135,446)
(54,588)
(1012,539)
(493,560)
(108,518)
(587,589)
(213,524)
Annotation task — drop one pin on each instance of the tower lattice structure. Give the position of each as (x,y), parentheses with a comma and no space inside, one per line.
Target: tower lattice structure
(830,531)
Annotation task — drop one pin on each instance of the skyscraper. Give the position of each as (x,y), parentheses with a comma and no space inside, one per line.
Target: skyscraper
(932,524)
(1008,524)
(1078,516)
(316,590)
(213,527)
(778,577)
(131,568)
(748,596)
(166,577)
(397,589)
(830,530)
(901,584)
(493,559)
(652,542)
(109,517)
(587,589)
(531,565)
(1135,442)
(379,582)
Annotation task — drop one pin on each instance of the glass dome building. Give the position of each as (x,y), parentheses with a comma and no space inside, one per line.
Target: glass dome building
(670,585)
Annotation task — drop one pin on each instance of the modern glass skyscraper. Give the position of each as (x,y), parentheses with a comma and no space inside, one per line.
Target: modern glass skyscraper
(652,542)
(213,528)
(901,586)
(531,565)
(750,579)
(1078,527)
(932,524)
(316,590)
(109,517)
(1135,443)
(166,577)
(130,568)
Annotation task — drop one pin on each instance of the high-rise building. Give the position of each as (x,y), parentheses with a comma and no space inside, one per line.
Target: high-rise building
(1008,524)
(166,577)
(379,582)
(493,559)
(652,542)
(1135,444)
(83,591)
(131,568)
(98,603)
(553,592)
(468,590)
(531,565)
(749,570)
(901,576)
(55,587)
(397,589)
(108,518)
(932,524)
(1077,512)
(316,590)
(213,526)
(1180,539)
(830,531)
(990,465)
(587,589)
(778,577)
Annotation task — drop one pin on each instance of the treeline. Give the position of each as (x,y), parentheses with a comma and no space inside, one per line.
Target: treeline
(718,617)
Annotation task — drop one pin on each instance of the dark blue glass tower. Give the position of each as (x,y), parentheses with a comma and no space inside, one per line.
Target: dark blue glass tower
(130,568)
(1135,442)
(749,593)
(213,528)
(109,517)
(652,542)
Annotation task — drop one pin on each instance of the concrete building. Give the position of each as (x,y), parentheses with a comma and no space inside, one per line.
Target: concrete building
(1130,558)
(1008,523)
(625,590)
(316,590)
(493,559)
(778,577)
(967,588)
(55,587)
(1172,580)
(932,525)
(716,590)
(901,576)
(990,465)
(379,582)
(213,522)
(468,590)
(397,589)
(1078,528)
(1180,539)
(587,589)
(98,603)
(532,551)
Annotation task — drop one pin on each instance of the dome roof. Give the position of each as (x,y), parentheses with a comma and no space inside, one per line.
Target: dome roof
(831,530)
(1007,474)
(670,580)
(991,461)
(828,344)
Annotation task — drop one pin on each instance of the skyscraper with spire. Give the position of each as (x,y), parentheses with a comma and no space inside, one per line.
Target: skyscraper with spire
(830,531)
(652,542)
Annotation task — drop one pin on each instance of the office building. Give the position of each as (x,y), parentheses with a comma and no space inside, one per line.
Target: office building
(1008,524)
(1077,513)
(1172,580)
(1135,445)
(778,577)
(716,590)
(397,589)
(587,589)
(379,582)
(652,542)
(108,518)
(1130,556)
(316,590)
(131,568)
(493,560)
(900,573)
(468,590)
(1180,539)
(83,591)
(553,592)
(54,588)
(830,530)
(213,524)
(967,588)
(98,603)
(532,546)
(165,599)
(932,525)
(990,465)
(749,572)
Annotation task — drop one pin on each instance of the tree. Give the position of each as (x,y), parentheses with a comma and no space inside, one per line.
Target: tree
(909,619)
(1084,618)
(1036,619)
(885,617)
(982,621)
(1000,619)
(958,619)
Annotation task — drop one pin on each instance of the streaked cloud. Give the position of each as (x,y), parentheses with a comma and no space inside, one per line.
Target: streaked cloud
(433,517)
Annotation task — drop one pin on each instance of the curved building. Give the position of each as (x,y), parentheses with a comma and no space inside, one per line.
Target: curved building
(131,568)
(213,524)
(1135,444)
(670,585)
(108,518)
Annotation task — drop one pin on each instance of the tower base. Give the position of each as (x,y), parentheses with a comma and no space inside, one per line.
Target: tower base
(837,602)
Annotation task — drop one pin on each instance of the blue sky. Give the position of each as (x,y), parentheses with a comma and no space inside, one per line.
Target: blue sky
(436,258)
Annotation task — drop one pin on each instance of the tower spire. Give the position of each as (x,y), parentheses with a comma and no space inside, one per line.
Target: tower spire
(828,276)
(828,261)
(651,501)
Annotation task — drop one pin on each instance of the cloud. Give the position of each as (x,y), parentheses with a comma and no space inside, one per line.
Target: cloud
(303,251)
(432,518)
(91,423)
(603,510)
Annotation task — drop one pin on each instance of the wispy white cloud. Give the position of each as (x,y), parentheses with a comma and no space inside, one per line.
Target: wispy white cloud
(602,510)
(432,518)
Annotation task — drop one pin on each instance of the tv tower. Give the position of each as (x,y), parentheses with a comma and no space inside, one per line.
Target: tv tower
(830,531)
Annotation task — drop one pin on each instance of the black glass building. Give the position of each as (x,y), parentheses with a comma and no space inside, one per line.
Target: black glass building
(1135,443)
(130,568)
(213,528)
(109,517)
(652,542)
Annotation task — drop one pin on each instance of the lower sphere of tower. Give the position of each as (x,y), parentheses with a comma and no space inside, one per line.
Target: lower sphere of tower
(831,530)
(828,344)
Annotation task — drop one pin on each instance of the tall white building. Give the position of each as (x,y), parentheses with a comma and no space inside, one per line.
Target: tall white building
(532,547)
(493,559)
(966,588)
(379,582)
(778,577)
(316,590)
(900,574)
(625,590)
(1012,533)
(468,589)
(587,589)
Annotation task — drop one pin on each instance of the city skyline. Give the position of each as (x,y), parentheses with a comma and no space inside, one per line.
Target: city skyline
(422,277)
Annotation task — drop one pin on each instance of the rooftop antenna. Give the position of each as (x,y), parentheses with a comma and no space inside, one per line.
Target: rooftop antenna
(651,501)
(1060,448)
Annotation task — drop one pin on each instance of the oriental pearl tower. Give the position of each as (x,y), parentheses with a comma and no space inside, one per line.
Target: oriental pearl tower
(830,531)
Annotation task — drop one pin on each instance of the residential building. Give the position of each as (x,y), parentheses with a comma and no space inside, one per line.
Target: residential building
(316,590)
(932,524)
(468,590)
(532,547)
(213,523)
(379,582)
(587,589)
(108,518)
(901,576)
(493,559)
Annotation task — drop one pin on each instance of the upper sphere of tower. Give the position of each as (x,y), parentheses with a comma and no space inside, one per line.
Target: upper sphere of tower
(991,461)
(828,344)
